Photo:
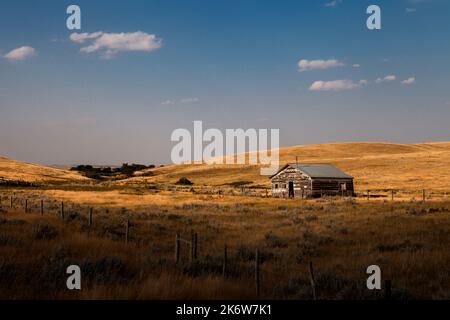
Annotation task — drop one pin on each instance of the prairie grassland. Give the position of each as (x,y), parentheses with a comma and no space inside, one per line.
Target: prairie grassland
(23,171)
(407,238)
(376,166)
(342,237)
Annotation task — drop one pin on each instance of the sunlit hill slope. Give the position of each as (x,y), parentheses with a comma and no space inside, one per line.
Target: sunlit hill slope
(374,165)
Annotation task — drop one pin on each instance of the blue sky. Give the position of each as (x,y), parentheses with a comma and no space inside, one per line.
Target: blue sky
(230,64)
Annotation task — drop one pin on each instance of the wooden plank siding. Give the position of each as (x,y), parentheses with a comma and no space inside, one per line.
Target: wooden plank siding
(332,186)
(305,186)
(302,184)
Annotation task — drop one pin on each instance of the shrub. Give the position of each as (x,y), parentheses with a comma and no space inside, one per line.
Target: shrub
(6,240)
(98,173)
(311,217)
(184,181)
(247,253)
(237,184)
(405,245)
(107,270)
(274,241)
(44,231)
(8,270)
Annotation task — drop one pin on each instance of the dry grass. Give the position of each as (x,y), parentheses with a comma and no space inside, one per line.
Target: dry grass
(406,238)
(374,166)
(342,237)
(23,171)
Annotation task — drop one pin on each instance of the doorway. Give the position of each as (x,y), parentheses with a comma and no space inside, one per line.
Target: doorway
(291,189)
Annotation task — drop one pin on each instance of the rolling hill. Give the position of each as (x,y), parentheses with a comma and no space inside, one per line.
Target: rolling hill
(375,165)
(29,172)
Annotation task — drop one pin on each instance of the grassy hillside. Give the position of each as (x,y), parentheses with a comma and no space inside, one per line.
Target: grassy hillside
(23,171)
(374,166)
(340,236)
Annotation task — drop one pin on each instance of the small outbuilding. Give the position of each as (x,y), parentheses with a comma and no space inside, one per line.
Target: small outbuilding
(296,180)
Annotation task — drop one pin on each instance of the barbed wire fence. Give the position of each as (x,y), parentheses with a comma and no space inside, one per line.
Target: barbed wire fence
(47,206)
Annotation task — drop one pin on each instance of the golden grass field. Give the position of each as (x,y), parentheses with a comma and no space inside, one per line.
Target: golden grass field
(407,238)
(374,166)
(19,170)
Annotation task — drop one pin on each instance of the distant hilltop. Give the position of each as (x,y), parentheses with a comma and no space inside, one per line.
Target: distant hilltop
(375,165)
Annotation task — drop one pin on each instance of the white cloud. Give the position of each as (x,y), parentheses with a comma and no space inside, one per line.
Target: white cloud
(21,53)
(333,3)
(189,100)
(409,81)
(307,65)
(356,65)
(410,10)
(167,102)
(181,101)
(82,37)
(388,78)
(336,85)
(109,44)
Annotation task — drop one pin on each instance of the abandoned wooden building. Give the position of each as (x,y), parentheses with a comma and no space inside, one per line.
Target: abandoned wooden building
(310,180)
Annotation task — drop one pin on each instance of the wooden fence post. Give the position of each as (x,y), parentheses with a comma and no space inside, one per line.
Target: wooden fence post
(192,246)
(312,280)
(177,248)
(257,275)
(225,258)
(423,195)
(62,210)
(127,230)
(368,195)
(392,194)
(195,246)
(42,207)
(387,289)
(90,217)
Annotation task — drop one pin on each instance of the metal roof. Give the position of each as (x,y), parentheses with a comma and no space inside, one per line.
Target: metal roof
(319,170)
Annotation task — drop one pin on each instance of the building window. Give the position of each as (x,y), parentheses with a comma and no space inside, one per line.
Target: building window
(276,185)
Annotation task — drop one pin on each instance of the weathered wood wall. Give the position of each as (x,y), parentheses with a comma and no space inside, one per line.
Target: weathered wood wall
(332,187)
(304,186)
(302,183)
